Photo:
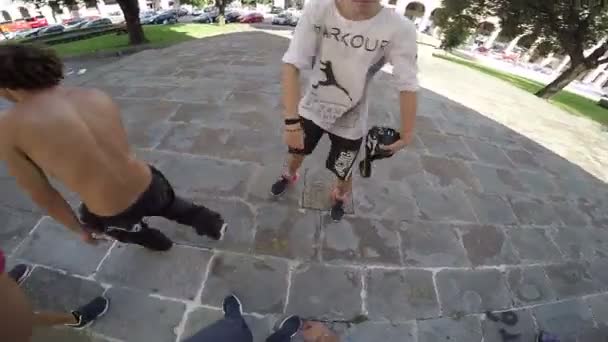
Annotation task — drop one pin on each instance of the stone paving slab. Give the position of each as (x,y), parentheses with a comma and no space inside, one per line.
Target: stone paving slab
(177,273)
(516,326)
(137,317)
(571,279)
(491,209)
(64,335)
(445,172)
(472,291)
(360,240)
(312,286)
(50,290)
(400,296)
(15,227)
(287,232)
(533,245)
(530,285)
(264,291)
(368,331)
(56,246)
(487,245)
(444,205)
(566,320)
(447,329)
(432,245)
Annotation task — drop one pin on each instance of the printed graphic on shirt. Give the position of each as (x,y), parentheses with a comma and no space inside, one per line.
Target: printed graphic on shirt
(355,41)
(330,79)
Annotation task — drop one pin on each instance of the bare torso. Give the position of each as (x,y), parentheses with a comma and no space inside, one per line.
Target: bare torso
(76,136)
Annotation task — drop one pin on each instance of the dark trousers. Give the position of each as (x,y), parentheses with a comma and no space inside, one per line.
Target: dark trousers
(232,330)
(159,199)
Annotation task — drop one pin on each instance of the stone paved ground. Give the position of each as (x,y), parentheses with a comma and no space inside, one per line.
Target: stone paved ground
(499,206)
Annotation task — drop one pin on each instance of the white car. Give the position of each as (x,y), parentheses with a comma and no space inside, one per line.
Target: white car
(116,17)
(282,19)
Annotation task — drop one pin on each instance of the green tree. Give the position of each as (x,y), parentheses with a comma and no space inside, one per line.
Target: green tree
(130,9)
(577,27)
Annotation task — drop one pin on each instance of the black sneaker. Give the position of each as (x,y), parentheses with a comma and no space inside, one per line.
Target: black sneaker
(337,211)
(232,307)
(281,185)
(87,313)
(290,326)
(209,223)
(19,273)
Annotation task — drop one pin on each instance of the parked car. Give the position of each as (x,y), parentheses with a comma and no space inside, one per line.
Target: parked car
(282,19)
(252,18)
(203,18)
(57,28)
(74,21)
(97,23)
(231,17)
(168,17)
(28,33)
(182,12)
(276,10)
(37,21)
(116,17)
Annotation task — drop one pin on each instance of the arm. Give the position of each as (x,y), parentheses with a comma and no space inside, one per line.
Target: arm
(403,54)
(299,55)
(34,182)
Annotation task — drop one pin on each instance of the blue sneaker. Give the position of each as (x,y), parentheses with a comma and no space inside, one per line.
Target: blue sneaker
(232,307)
(290,326)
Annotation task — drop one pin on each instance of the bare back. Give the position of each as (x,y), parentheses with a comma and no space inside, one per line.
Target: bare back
(76,136)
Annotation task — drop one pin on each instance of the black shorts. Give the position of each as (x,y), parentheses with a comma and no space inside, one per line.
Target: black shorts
(342,154)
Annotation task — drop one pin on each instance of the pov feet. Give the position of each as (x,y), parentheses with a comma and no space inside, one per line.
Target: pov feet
(290,326)
(232,307)
(89,312)
(281,185)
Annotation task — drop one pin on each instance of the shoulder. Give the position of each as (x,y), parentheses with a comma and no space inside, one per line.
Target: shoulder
(316,8)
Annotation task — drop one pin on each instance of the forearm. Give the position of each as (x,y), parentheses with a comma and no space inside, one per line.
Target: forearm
(408,106)
(59,209)
(291,91)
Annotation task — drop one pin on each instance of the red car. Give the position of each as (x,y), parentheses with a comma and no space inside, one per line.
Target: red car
(252,18)
(37,21)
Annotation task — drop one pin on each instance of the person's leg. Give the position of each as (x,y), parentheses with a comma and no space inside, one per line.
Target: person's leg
(312,136)
(341,159)
(127,227)
(16,316)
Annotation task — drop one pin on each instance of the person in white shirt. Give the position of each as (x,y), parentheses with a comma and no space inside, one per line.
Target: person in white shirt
(345,42)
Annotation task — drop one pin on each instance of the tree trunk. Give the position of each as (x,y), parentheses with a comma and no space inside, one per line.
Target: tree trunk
(130,8)
(562,80)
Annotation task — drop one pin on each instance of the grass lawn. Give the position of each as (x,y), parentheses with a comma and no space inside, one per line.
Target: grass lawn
(568,101)
(156,34)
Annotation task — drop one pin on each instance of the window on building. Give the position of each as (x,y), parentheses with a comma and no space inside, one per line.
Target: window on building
(392,2)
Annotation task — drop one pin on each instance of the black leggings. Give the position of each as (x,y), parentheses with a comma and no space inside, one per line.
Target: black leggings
(159,199)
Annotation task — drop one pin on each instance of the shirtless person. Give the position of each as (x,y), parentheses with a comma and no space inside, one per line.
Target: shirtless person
(76,136)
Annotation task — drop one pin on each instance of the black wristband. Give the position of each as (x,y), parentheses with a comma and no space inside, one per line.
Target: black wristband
(293,121)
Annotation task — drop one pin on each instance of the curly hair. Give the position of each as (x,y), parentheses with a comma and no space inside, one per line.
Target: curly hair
(29,67)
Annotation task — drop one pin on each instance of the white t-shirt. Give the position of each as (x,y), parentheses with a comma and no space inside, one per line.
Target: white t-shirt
(347,54)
